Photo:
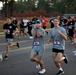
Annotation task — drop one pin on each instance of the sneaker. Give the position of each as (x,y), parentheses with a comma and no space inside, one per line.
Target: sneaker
(71,43)
(60,72)
(74,54)
(37,66)
(1,58)
(5,57)
(17,45)
(42,71)
(74,51)
(66,59)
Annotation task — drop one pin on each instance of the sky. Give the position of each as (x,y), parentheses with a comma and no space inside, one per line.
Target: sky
(2,5)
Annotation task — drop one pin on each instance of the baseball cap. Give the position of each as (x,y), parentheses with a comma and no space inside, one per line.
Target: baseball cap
(38,21)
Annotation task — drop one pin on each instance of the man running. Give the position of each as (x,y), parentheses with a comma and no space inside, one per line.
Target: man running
(38,47)
(9,30)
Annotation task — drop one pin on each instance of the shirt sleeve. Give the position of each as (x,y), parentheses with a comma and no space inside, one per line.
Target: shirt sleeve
(4,26)
(64,32)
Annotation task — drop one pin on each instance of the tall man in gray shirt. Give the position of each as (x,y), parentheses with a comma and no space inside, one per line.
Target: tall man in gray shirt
(58,36)
(38,46)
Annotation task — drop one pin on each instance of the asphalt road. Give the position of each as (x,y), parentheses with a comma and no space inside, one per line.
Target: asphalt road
(19,63)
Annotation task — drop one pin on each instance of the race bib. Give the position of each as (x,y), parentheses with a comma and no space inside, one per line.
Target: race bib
(36,43)
(10,27)
(8,32)
(71,23)
(62,23)
(56,42)
(70,27)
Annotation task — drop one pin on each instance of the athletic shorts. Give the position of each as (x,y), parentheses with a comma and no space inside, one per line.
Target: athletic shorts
(44,27)
(21,29)
(38,52)
(58,51)
(25,26)
(71,33)
(9,41)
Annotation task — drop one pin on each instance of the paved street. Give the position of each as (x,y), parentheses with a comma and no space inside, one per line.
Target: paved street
(19,63)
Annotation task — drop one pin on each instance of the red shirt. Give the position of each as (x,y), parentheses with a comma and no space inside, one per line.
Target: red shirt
(44,21)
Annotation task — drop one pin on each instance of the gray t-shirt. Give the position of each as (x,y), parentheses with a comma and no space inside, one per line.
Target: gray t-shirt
(38,42)
(58,41)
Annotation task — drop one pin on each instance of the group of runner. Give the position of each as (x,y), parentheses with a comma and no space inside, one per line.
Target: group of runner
(36,29)
(11,29)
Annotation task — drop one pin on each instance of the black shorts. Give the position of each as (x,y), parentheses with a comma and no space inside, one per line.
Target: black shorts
(25,26)
(71,33)
(44,27)
(58,51)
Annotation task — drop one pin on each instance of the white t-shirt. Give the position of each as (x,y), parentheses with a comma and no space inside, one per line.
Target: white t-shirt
(25,22)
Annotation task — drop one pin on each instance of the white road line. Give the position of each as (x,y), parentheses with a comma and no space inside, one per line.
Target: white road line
(20,49)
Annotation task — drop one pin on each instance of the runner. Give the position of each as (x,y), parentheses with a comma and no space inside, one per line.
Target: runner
(74,37)
(30,25)
(51,23)
(15,23)
(9,30)
(44,23)
(71,29)
(38,47)
(64,22)
(34,19)
(21,28)
(25,20)
(58,36)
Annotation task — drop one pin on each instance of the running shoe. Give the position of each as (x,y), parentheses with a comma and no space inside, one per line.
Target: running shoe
(5,57)
(66,59)
(74,54)
(74,51)
(42,71)
(17,44)
(1,58)
(37,66)
(72,43)
(60,72)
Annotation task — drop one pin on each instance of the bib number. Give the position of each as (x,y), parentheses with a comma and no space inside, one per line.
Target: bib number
(36,43)
(56,42)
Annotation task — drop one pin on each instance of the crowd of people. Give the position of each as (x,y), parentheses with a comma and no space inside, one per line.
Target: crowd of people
(60,29)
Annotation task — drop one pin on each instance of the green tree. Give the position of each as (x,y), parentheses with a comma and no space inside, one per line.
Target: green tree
(10,6)
(62,6)
(22,6)
(44,5)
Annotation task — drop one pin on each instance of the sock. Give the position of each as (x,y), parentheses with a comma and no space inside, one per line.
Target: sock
(61,69)
(63,58)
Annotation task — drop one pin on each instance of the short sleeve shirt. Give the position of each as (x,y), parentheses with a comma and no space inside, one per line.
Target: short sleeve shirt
(58,41)
(8,28)
(38,42)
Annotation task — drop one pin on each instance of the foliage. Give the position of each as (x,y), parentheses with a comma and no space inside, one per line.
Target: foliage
(30,13)
(49,6)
